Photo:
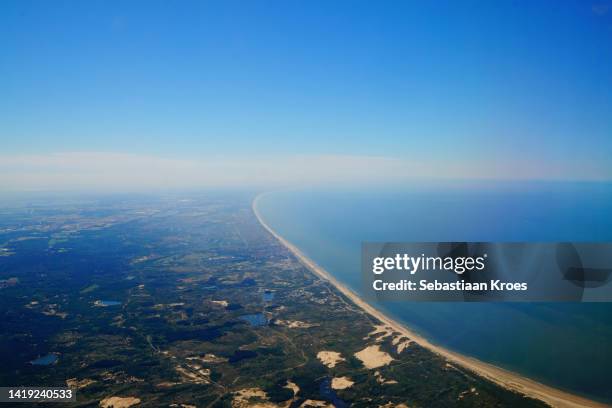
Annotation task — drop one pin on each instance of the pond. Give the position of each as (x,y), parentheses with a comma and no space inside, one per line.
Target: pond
(106,303)
(49,359)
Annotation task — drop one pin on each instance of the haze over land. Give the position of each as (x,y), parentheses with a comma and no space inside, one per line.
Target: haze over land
(130,172)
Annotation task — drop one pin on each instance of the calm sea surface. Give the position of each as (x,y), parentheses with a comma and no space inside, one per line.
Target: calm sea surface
(565,345)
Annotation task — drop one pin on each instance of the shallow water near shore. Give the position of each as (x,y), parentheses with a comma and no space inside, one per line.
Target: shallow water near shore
(566,345)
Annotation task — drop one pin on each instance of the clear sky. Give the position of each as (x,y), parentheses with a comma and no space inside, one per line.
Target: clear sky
(522,83)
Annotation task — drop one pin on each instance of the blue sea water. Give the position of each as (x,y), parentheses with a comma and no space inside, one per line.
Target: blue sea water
(567,345)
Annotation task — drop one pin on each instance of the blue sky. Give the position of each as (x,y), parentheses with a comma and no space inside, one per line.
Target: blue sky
(432,81)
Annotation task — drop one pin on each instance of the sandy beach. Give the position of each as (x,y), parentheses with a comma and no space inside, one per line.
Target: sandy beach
(505,378)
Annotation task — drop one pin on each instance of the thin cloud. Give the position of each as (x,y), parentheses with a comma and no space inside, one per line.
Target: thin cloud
(131,172)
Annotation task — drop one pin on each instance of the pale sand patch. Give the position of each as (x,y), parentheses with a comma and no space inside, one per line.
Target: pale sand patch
(194,374)
(373,357)
(464,393)
(119,402)
(392,405)
(401,343)
(252,398)
(293,387)
(167,384)
(330,358)
(449,366)
(403,346)
(382,380)
(222,303)
(500,376)
(208,358)
(78,384)
(161,306)
(341,383)
(383,329)
(294,324)
(316,404)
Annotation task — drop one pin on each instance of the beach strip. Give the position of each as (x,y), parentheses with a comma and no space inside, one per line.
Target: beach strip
(500,376)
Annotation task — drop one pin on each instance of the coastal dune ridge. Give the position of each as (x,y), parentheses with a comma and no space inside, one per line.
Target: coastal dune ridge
(505,378)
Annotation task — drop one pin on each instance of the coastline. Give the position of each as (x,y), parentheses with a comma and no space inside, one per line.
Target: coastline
(500,376)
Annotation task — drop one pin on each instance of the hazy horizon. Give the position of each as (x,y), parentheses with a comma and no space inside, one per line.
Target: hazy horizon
(141,95)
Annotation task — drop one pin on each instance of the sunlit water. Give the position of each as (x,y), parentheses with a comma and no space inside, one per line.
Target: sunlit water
(565,345)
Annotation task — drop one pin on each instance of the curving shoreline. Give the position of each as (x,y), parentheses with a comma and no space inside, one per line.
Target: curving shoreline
(500,376)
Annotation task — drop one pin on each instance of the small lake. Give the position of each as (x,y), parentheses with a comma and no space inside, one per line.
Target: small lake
(327,392)
(49,359)
(106,303)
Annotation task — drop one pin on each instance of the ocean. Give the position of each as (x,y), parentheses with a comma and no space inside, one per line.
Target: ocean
(566,345)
